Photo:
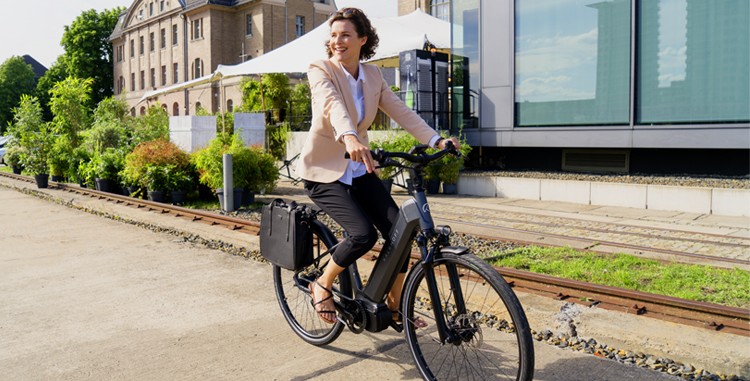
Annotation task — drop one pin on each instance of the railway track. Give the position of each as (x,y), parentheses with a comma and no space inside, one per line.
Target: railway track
(716,317)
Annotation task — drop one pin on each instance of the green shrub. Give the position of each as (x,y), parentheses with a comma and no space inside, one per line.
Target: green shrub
(13,155)
(252,168)
(156,153)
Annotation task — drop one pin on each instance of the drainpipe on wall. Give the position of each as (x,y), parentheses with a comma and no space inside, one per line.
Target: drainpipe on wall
(185,60)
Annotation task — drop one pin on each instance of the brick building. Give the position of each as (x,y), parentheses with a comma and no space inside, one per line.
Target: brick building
(160,43)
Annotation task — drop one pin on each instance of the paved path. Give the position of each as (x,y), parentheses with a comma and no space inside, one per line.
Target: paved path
(87,298)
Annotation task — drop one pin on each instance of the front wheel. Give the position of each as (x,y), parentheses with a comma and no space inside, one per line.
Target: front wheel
(486,335)
(294,296)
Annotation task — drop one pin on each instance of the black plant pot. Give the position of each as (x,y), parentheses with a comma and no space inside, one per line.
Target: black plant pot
(248,197)
(132,191)
(450,188)
(17,169)
(432,186)
(106,185)
(157,196)
(42,180)
(237,201)
(178,197)
(58,179)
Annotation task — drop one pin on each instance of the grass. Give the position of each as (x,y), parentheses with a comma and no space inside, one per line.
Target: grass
(730,287)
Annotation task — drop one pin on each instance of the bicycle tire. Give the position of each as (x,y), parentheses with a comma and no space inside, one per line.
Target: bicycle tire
(496,340)
(294,297)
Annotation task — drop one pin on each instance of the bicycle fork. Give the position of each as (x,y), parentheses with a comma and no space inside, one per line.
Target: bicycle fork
(447,332)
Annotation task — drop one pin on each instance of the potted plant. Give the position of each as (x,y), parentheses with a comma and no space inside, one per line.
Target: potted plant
(450,168)
(109,163)
(59,158)
(156,179)
(210,165)
(13,158)
(35,161)
(179,181)
(35,136)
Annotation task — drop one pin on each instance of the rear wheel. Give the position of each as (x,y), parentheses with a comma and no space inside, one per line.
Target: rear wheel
(294,297)
(488,337)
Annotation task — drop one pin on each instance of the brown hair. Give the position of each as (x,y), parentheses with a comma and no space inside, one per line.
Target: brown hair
(362,26)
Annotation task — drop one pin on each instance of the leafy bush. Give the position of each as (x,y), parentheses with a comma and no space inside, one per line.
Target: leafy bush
(252,168)
(451,165)
(155,153)
(13,155)
(109,164)
(277,136)
(33,134)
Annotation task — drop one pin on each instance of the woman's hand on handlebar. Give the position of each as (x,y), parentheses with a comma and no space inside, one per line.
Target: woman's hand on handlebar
(443,142)
(359,152)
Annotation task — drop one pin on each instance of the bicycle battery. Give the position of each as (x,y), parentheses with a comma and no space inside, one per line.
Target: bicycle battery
(286,235)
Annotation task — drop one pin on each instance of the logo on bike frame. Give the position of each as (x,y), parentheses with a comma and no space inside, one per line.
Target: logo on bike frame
(426,208)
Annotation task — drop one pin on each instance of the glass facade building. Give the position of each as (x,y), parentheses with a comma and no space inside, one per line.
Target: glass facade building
(602,73)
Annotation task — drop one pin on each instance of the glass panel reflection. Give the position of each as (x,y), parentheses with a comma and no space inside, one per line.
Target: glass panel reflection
(694,63)
(572,62)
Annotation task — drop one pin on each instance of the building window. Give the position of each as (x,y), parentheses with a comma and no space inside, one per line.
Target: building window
(153,77)
(132,81)
(132,48)
(143,110)
(197,68)
(175,109)
(465,49)
(161,6)
(143,79)
(151,9)
(230,105)
(132,111)
(197,29)
(692,67)
(163,38)
(163,75)
(300,25)
(441,9)
(572,63)
(175,73)
(141,45)
(175,36)
(151,38)
(249,24)
(198,107)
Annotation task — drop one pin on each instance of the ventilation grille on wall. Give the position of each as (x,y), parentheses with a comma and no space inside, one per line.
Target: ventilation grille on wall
(596,160)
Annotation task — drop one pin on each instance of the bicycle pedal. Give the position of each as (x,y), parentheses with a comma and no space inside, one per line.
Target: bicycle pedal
(397,326)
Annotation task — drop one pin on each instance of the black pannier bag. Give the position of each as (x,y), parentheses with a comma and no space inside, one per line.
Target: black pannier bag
(286,235)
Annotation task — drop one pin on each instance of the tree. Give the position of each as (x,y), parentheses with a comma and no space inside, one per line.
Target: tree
(33,134)
(272,92)
(88,52)
(56,73)
(16,79)
(69,102)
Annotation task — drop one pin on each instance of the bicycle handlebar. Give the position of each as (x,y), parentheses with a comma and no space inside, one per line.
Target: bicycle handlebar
(419,156)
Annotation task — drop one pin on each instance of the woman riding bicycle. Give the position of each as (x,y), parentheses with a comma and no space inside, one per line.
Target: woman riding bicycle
(346,95)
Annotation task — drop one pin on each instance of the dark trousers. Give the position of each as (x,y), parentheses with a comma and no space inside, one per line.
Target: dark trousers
(359,209)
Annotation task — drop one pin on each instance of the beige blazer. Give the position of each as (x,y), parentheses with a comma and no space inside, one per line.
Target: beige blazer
(334,113)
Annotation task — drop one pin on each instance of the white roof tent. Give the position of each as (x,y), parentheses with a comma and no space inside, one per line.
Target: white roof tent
(396,34)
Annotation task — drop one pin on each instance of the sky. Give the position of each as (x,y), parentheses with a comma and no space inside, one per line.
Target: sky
(36,27)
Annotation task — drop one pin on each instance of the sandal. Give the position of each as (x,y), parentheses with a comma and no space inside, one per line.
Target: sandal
(322,313)
(418,321)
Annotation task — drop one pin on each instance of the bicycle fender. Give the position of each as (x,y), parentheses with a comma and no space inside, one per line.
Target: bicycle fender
(456,250)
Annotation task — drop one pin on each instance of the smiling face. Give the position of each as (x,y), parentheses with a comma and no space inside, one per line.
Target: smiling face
(345,43)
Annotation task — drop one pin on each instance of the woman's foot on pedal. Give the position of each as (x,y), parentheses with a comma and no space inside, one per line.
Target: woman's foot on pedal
(418,321)
(323,304)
